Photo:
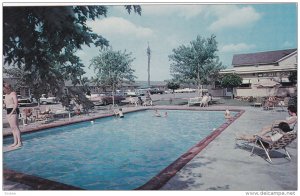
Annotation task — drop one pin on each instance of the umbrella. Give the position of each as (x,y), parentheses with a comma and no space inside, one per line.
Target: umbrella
(267,83)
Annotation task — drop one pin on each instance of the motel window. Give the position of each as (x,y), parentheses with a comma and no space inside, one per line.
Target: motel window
(245,85)
(284,84)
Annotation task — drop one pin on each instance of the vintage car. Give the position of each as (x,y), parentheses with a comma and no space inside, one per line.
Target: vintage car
(47,100)
(105,99)
(25,102)
(185,90)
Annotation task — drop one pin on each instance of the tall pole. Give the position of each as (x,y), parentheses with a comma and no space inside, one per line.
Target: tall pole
(149,55)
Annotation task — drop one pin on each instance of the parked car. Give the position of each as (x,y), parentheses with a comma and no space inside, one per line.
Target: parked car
(47,100)
(130,94)
(25,102)
(104,99)
(141,92)
(156,91)
(185,90)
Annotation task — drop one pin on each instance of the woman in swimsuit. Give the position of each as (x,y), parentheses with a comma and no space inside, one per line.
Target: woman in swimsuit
(11,104)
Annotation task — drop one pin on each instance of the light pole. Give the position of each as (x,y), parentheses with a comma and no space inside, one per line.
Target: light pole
(149,55)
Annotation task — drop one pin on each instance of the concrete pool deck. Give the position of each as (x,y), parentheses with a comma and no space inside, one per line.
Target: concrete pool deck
(224,166)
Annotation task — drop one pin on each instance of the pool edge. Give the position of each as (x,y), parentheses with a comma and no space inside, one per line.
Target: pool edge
(35,182)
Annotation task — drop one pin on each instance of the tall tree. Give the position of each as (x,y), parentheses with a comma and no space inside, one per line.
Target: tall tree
(42,41)
(197,62)
(112,68)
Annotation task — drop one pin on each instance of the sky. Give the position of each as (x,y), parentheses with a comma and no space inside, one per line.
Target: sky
(239,29)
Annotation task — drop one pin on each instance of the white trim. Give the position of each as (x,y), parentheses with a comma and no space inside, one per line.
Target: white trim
(257,71)
(287,56)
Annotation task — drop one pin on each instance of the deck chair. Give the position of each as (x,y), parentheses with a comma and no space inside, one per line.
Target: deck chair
(270,103)
(258,102)
(194,101)
(284,141)
(283,103)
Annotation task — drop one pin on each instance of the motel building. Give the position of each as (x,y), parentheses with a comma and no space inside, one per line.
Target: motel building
(263,73)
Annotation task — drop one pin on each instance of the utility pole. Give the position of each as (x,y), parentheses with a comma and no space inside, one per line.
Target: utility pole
(149,55)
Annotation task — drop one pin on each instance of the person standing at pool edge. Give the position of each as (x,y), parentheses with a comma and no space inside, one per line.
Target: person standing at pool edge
(11,104)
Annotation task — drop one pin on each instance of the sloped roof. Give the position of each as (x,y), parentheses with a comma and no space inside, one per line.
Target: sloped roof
(260,57)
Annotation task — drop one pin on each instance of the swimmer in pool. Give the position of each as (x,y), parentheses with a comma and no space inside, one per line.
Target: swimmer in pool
(156,113)
(119,113)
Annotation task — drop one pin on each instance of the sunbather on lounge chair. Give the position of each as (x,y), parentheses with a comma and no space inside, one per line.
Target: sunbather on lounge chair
(47,114)
(291,121)
(271,136)
(47,111)
(282,136)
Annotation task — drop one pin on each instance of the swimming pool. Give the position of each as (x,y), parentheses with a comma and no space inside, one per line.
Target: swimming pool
(112,153)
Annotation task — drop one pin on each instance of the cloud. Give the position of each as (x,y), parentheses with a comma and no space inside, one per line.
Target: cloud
(236,47)
(119,26)
(223,15)
(185,11)
(233,16)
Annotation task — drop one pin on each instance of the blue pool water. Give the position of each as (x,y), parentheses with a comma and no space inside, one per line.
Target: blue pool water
(111,153)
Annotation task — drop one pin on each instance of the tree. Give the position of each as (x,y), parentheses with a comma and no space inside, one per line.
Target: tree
(112,68)
(231,81)
(42,42)
(172,85)
(53,82)
(197,62)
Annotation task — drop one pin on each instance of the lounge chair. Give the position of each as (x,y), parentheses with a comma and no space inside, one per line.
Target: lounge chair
(267,146)
(270,103)
(61,113)
(283,103)
(148,103)
(258,102)
(132,101)
(194,100)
